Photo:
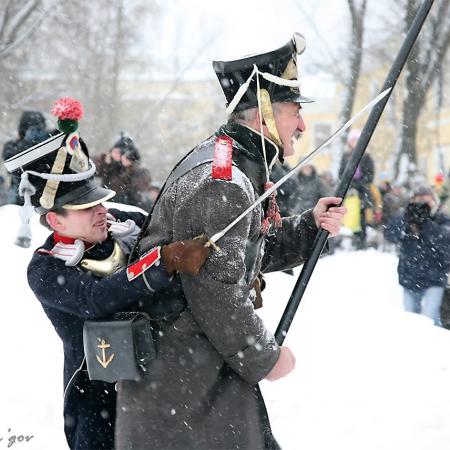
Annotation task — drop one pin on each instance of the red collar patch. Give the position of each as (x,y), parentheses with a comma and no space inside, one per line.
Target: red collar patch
(64,239)
(223,159)
(70,240)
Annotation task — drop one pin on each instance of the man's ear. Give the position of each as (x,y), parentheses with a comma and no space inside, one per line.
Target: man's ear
(53,221)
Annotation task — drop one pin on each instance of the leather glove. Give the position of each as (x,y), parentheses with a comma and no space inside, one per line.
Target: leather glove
(185,256)
(71,254)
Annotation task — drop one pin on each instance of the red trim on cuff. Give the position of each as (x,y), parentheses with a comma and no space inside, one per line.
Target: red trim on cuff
(146,261)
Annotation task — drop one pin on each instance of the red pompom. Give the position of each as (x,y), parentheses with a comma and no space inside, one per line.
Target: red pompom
(67,108)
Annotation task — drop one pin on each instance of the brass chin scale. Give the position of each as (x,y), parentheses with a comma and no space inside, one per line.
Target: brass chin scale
(106,267)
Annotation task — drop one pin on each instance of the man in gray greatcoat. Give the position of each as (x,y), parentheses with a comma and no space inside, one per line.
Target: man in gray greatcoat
(202,390)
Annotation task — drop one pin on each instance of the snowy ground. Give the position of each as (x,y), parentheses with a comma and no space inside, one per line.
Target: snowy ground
(368,377)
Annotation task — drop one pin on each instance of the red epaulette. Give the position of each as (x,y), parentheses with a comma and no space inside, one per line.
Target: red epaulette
(223,159)
(146,261)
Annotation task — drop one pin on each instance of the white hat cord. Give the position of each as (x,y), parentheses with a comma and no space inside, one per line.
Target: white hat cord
(268,76)
(66,177)
(280,81)
(26,191)
(241,91)
(263,143)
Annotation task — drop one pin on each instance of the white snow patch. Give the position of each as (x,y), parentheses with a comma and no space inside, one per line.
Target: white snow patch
(369,376)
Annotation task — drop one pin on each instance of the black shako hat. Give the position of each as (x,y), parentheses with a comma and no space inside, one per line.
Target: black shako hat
(57,173)
(277,71)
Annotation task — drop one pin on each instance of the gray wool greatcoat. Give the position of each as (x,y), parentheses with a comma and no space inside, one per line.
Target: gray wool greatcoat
(202,390)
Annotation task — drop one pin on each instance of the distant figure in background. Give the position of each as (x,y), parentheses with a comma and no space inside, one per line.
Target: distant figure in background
(328,181)
(374,213)
(362,180)
(352,219)
(135,181)
(444,207)
(384,184)
(109,164)
(31,131)
(309,190)
(120,170)
(422,233)
(393,201)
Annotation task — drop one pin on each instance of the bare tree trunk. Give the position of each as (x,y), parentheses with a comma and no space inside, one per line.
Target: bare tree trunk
(356,51)
(425,62)
(411,111)
(357,14)
(411,115)
(117,64)
(18,20)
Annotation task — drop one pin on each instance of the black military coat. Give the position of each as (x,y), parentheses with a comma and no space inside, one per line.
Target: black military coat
(69,296)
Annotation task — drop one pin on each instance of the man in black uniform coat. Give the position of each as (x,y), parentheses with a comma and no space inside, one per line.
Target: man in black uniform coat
(76,273)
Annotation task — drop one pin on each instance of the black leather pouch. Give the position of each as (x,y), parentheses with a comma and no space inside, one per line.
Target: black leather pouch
(121,348)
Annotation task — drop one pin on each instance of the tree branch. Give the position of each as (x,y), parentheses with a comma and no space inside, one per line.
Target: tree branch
(7,50)
(6,14)
(20,18)
(433,68)
(352,9)
(333,61)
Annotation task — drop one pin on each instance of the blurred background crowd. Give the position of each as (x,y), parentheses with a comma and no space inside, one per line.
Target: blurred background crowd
(409,218)
(119,167)
(372,200)
(145,67)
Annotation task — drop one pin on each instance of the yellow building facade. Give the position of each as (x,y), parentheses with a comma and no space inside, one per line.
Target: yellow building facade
(433,132)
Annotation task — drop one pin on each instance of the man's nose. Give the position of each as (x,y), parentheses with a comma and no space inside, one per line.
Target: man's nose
(301,124)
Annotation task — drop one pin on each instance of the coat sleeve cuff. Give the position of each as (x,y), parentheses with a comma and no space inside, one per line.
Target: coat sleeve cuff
(257,360)
(151,270)
(156,278)
(308,221)
(311,227)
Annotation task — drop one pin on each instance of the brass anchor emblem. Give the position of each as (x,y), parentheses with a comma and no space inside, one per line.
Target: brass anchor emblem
(104,362)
